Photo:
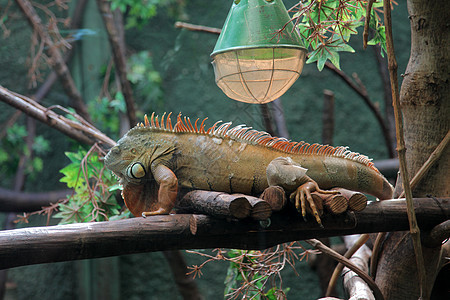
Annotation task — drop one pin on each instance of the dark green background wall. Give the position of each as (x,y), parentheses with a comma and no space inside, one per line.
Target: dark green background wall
(182,58)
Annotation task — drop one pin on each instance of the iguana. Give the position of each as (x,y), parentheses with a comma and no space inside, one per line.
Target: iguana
(154,158)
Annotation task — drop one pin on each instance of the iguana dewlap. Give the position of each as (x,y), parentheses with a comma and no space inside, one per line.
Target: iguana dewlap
(154,158)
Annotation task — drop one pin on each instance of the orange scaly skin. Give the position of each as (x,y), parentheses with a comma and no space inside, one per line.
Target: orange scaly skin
(154,158)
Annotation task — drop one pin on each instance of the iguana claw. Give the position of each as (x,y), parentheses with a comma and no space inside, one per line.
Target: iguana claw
(303,194)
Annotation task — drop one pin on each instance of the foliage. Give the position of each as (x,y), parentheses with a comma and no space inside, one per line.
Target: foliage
(105,112)
(326,26)
(13,148)
(146,80)
(94,189)
(255,274)
(138,12)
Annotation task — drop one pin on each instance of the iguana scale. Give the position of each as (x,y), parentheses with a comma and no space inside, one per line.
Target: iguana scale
(154,158)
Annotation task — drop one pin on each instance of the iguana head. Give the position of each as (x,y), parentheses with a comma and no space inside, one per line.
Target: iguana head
(130,160)
(127,160)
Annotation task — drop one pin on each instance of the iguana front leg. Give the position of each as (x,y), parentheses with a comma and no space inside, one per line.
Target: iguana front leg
(283,171)
(167,193)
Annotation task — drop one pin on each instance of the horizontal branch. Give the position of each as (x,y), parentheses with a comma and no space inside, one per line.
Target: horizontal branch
(12,201)
(185,231)
(80,131)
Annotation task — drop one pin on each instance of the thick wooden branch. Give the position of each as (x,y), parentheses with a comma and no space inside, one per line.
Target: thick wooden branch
(12,201)
(185,231)
(359,270)
(354,284)
(80,131)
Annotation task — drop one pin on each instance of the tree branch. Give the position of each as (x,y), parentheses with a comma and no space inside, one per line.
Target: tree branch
(12,201)
(119,58)
(345,261)
(401,149)
(81,131)
(57,59)
(92,240)
(193,27)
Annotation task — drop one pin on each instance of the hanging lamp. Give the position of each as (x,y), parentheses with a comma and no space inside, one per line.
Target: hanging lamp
(253,60)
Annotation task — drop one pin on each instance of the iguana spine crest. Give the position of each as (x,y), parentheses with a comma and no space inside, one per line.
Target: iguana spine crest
(245,134)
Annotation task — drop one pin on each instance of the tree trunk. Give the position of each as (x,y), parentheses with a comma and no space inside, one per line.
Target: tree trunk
(425,102)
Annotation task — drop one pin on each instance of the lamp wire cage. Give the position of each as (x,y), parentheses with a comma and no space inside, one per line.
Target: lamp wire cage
(258,55)
(258,75)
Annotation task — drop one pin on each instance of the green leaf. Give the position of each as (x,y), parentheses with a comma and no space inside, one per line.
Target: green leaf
(379,39)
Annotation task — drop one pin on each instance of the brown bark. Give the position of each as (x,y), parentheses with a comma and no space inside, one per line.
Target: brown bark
(82,132)
(358,272)
(275,196)
(335,204)
(425,104)
(216,204)
(158,233)
(354,285)
(119,58)
(356,200)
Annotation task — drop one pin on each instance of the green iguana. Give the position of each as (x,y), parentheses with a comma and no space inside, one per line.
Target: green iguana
(154,158)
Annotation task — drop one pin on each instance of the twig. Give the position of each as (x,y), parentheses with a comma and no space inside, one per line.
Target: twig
(337,271)
(345,261)
(193,27)
(75,130)
(57,59)
(51,78)
(401,149)
(119,58)
(377,246)
(366,23)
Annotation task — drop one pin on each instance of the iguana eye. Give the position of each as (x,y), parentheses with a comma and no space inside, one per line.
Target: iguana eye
(136,171)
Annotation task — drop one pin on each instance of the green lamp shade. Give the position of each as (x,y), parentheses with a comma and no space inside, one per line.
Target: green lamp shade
(253,62)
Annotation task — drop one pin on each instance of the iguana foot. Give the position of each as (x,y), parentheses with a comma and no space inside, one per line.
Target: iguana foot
(303,194)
